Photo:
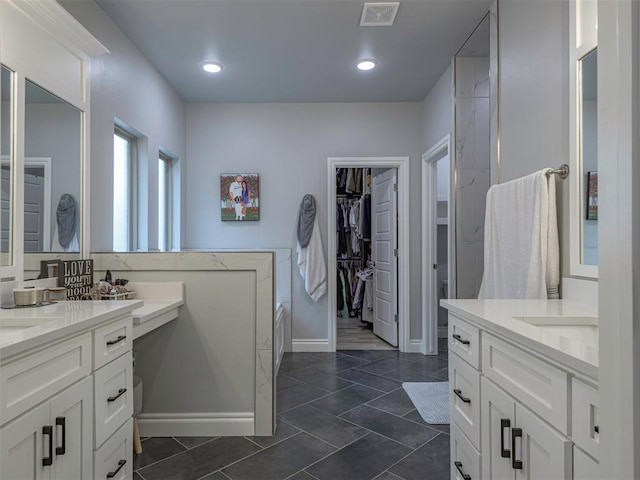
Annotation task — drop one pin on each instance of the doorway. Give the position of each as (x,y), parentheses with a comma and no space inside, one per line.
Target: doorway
(389,255)
(438,232)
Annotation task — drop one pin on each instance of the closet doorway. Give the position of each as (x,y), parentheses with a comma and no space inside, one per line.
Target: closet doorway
(379,264)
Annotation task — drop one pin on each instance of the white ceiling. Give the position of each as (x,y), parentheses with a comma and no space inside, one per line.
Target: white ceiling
(296,50)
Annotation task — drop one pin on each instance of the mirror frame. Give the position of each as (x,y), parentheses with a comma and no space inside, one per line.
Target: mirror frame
(38,37)
(583,39)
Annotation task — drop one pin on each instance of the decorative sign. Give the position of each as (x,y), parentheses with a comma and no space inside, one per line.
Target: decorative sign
(592,195)
(75,275)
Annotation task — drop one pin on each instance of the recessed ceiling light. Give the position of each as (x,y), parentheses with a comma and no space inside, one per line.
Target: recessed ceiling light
(211,67)
(367,64)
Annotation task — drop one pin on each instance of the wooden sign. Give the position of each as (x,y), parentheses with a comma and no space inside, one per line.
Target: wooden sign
(75,275)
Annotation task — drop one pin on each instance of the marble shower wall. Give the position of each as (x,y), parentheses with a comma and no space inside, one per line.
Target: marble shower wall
(473,165)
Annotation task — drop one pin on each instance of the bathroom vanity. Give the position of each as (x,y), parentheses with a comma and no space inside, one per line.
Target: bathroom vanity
(524,389)
(67,393)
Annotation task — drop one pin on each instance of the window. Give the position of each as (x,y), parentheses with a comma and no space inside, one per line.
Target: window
(124,190)
(166,165)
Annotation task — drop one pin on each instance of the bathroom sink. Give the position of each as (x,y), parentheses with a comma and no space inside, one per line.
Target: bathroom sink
(548,321)
(9,324)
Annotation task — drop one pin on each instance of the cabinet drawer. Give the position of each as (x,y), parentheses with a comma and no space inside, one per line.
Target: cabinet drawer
(584,467)
(464,341)
(464,382)
(32,379)
(465,459)
(116,455)
(113,397)
(111,341)
(585,417)
(537,384)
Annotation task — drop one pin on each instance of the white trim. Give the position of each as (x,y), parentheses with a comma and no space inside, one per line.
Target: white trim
(429,245)
(580,290)
(415,346)
(315,345)
(402,164)
(196,424)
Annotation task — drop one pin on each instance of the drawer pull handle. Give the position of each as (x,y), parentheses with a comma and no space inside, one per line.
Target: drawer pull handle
(48,430)
(515,433)
(504,423)
(596,429)
(460,339)
(465,476)
(458,393)
(117,340)
(61,422)
(115,397)
(114,473)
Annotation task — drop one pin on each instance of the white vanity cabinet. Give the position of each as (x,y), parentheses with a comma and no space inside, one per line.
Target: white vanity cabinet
(515,414)
(63,418)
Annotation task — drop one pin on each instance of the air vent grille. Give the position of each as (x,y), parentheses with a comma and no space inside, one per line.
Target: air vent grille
(379,14)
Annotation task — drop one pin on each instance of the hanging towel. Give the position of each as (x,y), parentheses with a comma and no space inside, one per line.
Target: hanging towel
(312,264)
(66,218)
(521,250)
(305,219)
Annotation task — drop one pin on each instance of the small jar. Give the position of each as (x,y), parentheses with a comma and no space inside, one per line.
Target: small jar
(57,294)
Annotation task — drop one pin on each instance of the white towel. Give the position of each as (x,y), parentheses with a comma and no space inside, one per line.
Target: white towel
(521,250)
(312,265)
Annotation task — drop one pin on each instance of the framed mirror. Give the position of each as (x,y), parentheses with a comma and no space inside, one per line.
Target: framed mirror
(6,167)
(588,157)
(52,173)
(583,134)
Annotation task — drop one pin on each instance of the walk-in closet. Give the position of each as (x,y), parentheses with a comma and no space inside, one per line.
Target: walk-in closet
(366,300)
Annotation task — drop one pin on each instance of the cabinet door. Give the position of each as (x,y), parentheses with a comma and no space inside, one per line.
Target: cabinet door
(584,467)
(498,415)
(23,446)
(71,415)
(545,454)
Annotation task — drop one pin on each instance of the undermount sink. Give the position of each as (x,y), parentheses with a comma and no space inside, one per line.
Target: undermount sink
(18,323)
(577,327)
(559,321)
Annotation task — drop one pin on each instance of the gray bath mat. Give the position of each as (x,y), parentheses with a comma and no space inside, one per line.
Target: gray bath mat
(431,399)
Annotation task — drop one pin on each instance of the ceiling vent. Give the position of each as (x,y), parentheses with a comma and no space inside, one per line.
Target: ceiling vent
(379,14)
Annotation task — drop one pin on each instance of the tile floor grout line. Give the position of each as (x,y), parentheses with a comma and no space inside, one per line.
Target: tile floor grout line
(391,466)
(165,458)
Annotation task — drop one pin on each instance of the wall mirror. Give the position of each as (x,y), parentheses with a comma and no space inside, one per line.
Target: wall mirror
(583,146)
(52,173)
(6,164)
(588,157)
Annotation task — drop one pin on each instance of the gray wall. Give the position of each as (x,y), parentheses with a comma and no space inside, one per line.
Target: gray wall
(288,145)
(437,107)
(125,85)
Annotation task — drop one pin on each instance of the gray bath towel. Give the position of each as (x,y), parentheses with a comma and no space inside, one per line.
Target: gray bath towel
(66,216)
(305,219)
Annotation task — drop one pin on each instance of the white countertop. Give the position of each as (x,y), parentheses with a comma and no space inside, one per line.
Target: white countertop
(570,337)
(25,328)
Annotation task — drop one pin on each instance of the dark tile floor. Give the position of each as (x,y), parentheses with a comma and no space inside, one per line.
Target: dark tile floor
(341,415)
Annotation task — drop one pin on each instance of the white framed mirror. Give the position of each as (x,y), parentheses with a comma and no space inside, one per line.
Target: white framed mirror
(583,185)
(7,193)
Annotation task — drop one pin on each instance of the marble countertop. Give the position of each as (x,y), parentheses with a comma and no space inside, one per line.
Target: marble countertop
(563,331)
(25,328)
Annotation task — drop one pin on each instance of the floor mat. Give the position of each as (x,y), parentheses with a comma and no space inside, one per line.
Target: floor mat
(431,399)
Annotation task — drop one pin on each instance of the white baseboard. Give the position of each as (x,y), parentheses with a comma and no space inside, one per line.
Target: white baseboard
(315,345)
(415,346)
(196,424)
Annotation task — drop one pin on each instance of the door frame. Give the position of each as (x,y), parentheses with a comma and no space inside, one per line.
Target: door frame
(402,165)
(430,159)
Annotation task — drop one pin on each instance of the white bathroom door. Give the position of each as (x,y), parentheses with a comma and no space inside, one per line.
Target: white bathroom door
(384,245)
(33,212)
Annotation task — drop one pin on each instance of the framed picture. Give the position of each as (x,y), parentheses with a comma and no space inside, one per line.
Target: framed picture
(592,195)
(239,197)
